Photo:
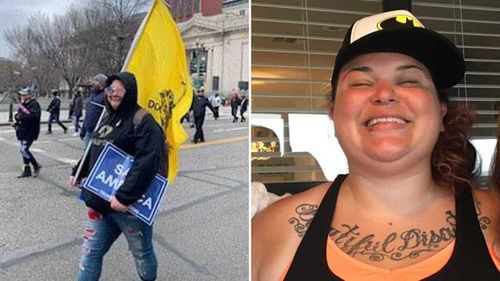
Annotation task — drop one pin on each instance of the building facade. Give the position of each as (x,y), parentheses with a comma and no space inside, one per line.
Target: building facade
(217,47)
(183,10)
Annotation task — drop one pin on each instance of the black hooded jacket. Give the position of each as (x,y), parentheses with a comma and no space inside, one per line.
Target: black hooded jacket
(199,104)
(145,142)
(28,120)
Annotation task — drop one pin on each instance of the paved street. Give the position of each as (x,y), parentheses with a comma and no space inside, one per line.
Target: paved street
(201,232)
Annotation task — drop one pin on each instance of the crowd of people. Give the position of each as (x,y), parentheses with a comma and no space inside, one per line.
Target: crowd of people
(27,123)
(197,112)
(112,116)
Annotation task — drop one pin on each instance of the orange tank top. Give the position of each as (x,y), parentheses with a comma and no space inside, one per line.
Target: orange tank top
(348,268)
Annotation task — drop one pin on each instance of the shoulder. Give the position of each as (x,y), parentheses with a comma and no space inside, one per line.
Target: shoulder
(35,103)
(488,212)
(141,118)
(146,122)
(278,230)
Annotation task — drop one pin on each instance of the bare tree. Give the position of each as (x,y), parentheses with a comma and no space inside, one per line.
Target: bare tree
(108,26)
(37,63)
(93,36)
(9,75)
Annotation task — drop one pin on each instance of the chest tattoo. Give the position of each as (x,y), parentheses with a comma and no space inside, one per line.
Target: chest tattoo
(395,246)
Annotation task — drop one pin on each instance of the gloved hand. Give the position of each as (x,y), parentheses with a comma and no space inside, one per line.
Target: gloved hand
(82,134)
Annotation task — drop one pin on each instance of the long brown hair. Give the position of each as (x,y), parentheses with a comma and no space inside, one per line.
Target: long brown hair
(454,156)
(495,162)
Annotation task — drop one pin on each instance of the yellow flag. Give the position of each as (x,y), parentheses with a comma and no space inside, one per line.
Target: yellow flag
(158,60)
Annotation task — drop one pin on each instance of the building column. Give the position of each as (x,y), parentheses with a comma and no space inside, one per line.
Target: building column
(209,74)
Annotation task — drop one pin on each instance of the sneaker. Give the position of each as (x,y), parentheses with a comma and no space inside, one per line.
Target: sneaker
(36,170)
(75,134)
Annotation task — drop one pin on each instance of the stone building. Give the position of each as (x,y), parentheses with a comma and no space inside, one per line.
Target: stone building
(217,46)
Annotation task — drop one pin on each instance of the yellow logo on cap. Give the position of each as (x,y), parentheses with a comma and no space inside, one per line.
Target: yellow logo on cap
(398,22)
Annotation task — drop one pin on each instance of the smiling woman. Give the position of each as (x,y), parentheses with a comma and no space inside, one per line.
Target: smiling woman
(408,209)
(386,109)
(115,93)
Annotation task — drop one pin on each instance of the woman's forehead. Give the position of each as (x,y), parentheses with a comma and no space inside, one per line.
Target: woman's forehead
(116,83)
(395,60)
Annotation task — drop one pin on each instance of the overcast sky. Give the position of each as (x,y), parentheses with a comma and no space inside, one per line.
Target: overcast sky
(17,12)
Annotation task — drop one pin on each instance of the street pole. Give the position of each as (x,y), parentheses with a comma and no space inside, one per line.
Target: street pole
(198,84)
(11,111)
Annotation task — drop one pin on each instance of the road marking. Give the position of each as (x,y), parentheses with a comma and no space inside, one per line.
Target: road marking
(9,131)
(60,159)
(230,129)
(9,142)
(218,141)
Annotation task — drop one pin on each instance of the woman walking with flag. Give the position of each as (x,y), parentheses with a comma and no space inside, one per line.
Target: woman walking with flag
(134,131)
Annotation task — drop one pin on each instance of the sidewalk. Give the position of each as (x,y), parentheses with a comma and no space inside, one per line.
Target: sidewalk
(44,103)
(4,117)
(224,111)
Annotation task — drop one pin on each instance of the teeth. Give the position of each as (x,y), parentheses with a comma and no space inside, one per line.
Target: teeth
(376,121)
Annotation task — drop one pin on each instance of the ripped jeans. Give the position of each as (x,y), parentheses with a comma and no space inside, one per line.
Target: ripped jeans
(26,153)
(100,233)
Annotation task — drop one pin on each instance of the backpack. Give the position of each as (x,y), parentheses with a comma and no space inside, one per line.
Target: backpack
(137,119)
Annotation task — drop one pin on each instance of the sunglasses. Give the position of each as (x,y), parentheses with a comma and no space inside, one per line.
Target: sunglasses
(110,90)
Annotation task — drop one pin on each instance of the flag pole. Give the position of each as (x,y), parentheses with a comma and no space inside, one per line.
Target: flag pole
(137,36)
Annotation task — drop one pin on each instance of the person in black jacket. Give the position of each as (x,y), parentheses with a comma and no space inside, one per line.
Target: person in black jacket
(235,103)
(243,107)
(77,111)
(144,141)
(27,126)
(199,104)
(54,110)
(94,107)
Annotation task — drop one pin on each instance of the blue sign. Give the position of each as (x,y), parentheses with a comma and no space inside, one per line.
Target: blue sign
(109,173)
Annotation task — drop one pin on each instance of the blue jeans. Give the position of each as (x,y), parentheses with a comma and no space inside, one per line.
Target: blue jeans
(100,233)
(26,153)
(54,117)
(76,120)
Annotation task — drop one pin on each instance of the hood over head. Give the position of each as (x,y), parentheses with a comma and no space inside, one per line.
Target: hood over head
(129,101)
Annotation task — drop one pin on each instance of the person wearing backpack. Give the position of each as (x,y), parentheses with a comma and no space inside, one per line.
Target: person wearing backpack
(134,131)
(54,111)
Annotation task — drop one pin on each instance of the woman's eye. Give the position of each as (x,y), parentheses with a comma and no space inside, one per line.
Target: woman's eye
(361,84)
(408,82)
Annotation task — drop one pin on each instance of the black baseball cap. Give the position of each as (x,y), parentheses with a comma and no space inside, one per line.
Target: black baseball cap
(401,32)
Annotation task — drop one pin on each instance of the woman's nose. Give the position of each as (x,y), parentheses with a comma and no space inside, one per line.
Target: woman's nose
(384,94)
